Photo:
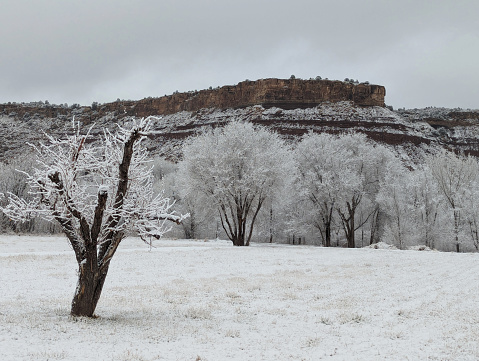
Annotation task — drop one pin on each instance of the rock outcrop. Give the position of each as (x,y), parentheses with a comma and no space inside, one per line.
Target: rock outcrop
(281,93)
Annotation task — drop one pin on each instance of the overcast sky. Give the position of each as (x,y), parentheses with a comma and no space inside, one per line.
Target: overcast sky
(425,52)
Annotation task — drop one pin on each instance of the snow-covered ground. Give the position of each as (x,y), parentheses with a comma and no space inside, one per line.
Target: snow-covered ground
(196,300)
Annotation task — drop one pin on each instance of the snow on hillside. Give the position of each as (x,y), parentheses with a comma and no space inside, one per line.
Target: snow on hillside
(332,117)
(197,300)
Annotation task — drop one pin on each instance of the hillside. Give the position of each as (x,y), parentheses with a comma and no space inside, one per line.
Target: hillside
(291,107)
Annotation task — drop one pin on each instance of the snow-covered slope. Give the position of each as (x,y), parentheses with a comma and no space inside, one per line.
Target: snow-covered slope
(408,129)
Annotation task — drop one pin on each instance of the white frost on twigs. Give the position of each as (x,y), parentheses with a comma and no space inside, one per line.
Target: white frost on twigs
(70,174)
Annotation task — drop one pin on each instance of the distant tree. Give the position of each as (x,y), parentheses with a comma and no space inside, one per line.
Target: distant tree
(168,181)
(339,176)
(236,168)
(98,193)
(13,181)
(472,216)
(318,78)
(319,185)
(456,177)
(428,208)
(396,199)
(292,77)
(363,169)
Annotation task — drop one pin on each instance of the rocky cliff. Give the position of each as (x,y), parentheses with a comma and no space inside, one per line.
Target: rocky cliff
(281,93)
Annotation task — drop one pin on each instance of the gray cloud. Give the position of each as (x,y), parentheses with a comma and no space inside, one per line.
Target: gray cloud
(425,52)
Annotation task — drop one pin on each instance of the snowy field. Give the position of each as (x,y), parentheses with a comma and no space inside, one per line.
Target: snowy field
(196,300)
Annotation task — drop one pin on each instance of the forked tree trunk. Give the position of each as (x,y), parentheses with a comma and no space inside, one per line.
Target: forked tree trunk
(237,231)
(348,220)
(239,241)
(91,279)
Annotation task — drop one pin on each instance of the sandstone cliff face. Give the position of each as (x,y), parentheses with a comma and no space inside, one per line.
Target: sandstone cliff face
(281,93)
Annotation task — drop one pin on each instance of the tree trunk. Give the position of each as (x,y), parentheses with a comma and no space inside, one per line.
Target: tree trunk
(456,229)
(374,226)
(327,232)
(239,240)
(350,235)
(88,291)
(271,225)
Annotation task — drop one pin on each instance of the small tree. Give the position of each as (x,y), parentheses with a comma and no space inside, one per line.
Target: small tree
(98,192)
(236,168)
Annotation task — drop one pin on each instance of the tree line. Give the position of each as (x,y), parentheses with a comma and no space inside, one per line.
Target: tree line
(345,190)
(246,183)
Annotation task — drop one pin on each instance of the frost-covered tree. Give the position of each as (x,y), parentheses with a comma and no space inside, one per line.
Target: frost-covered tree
(200,217)
(410,201)
(472,216)
(456,177)
(429,226)
(12,180)
(338,178)
(98,192)
(321,163)
(396,201)
(202,220)
(366,164)
(237,168)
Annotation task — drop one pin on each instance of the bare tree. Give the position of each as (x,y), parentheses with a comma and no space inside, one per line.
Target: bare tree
(98,192)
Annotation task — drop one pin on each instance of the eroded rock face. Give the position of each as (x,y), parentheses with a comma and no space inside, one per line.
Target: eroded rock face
(281,93)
